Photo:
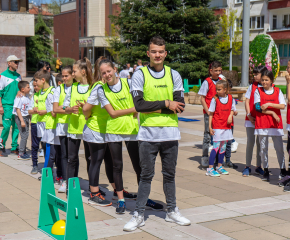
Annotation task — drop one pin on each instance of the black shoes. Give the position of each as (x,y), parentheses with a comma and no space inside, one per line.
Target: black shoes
(121,207)
(266,176)
(154,205)
(98,199)
(229,164)
(127,195)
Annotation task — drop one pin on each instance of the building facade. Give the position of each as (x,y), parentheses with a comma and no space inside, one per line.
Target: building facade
(16,25)
(82,26)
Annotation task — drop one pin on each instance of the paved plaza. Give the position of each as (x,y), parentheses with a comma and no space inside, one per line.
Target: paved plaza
(229,207)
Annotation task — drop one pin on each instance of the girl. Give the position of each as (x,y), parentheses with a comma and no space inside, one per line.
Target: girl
(73,103)
(250,123)
(94,135)
(269,100)
(122,126)
(62,119)
(221,111)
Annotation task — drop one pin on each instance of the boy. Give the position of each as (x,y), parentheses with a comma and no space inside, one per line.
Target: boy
(34,139)
(20,110)
(207,92)
(59,80)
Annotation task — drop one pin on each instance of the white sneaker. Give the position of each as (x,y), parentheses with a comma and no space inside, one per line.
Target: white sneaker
(234,146)
(135,222)
(41,153)
(62,188)
(176,217)
(204,161)
(210,148)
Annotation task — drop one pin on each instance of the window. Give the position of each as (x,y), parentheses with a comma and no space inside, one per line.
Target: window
(5,5)
(286,21)
(285,52)
(239,1)
(281,50)
(257,22)
(14,5)
(239,24)
(274,22)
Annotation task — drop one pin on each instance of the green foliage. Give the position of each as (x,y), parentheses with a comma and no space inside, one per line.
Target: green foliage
(283,68)
(194,89)
(188,27)
(65,62)
(226,22)
(39,47)
(114,40)
(233,68)
(55,6)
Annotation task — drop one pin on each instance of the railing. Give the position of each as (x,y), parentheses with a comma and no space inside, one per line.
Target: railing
(187,86)
(279,29)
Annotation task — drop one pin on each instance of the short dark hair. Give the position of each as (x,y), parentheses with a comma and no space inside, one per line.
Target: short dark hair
(269,74)
(47,64)
(215,64)
(40,65)
(42,74)
(230,83)
(260,69)
(22,84)
(125,67)
(157,40)
(58,78)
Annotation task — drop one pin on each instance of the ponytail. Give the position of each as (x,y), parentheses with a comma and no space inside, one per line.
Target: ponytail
(87,66)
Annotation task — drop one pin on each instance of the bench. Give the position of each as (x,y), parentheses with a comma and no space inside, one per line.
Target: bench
(239,93)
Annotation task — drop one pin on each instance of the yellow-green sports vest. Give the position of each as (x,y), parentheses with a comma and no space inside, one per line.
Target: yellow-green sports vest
(99,116)
(41,104)
(77,121)
(121,100)
(34,116)
(62,118)
(158,89)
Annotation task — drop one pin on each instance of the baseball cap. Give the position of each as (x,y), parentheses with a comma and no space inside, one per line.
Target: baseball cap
(14,58)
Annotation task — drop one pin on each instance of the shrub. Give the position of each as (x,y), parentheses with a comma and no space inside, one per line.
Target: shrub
(233,76)
(194,89)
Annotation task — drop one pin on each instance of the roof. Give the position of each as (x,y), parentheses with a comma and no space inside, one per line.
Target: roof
(36,11)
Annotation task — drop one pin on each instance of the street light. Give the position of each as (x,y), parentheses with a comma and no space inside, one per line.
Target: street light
(90,54)
(56,40)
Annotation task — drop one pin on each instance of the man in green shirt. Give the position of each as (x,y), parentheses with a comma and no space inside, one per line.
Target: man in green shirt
(8,90)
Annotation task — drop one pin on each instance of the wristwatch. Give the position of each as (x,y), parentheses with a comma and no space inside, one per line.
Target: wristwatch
(63,107)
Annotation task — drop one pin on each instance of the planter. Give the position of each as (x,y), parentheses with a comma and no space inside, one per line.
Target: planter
(194,98)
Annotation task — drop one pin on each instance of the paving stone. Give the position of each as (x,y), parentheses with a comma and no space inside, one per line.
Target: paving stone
(134,236)
(260,220)
(283,214)
(280,229)
(3,208)
(226,225)
(254,234)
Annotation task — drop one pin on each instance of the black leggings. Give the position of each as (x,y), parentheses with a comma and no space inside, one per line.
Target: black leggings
(117,156)
(98,152)
(55,157)
(73,157)
(64,152)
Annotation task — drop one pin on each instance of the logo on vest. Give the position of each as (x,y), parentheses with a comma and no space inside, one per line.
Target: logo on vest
(121,99)
(225,110)
(160,86)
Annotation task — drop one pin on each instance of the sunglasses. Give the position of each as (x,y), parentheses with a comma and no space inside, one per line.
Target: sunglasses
(16,62)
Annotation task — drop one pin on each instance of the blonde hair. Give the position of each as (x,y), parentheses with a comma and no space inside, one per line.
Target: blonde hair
(85,64)
(97,74)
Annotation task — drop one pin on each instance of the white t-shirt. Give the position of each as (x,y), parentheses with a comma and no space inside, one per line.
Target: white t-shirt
(66,103)
(248,96)
(138,67)
(157,134)
(23,104)
(204,88)
(104,101)
(124,74)
(269,131)
(222,134)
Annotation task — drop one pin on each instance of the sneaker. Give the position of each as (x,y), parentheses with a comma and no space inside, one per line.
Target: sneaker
(210,148)
(102,192)
(41,153)
(99,200)
(204,162)
(287,188)
(135,222)
(211,172)
(222,171)
(121,207)
(154,205)
(16,151)
(246,172)
(234,147)
(126,194)
(3,152)
(62,188)
(176,217)
(23,157)
(283,182)
(229,164)
(34,170)
(27,155)
(266,176)
(58,180)
(283,173)
(259,171)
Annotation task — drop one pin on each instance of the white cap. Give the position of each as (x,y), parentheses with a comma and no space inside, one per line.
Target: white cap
(14,58)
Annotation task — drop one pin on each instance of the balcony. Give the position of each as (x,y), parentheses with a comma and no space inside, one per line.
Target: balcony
(278,4)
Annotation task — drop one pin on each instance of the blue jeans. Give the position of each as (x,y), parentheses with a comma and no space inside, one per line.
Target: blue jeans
(34,144)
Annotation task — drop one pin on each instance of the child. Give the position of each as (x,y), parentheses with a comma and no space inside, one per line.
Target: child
(59,79)
(250,124)
(221,111)
(62,119)
(20,110)
(34,139)
(207,91)
(268,102)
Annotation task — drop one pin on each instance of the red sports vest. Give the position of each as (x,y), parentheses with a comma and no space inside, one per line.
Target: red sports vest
(211,91)
(251,103)
(288,113)
(222,113)
(264,120)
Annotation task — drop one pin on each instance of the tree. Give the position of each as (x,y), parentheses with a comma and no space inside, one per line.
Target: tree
(226,22)
(114,40)
(55,6)
(189,29)
(39,47)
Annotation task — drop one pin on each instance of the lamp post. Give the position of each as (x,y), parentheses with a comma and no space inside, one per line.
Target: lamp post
(56,40)
(90,54)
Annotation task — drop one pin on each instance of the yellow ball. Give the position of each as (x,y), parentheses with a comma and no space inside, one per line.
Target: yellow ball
(58,228)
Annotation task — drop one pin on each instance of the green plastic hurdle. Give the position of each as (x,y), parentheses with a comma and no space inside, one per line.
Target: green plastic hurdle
(75,228)
(186,86)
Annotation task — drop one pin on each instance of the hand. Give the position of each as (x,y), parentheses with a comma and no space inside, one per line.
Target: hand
(211,131)
(23,124)
(230,120)
(75,109)
(1,110)
(41,112)
(80,104)
(135,115)
(275,116)
(19,94)
(53,114)
(252,119)
(175,106)
(35,109)
(265,106)
(235,113)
